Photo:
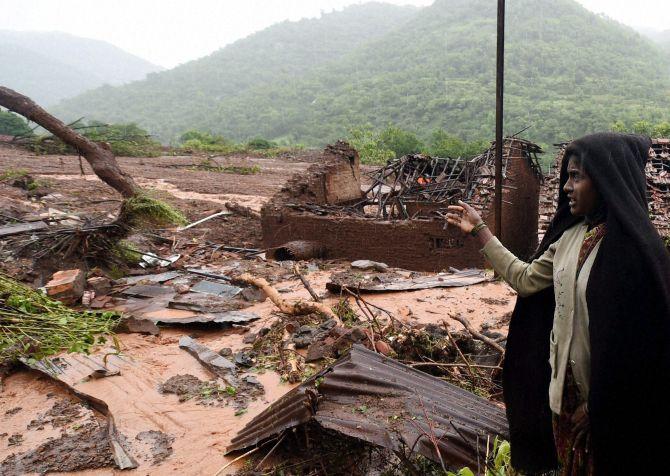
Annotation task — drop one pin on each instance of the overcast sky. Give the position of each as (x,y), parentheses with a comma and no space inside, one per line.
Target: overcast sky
(170,32)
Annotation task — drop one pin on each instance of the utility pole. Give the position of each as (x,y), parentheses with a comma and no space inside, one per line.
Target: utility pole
(500,70)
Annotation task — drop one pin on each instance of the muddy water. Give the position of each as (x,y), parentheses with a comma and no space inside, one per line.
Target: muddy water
(252,201)
(202,432)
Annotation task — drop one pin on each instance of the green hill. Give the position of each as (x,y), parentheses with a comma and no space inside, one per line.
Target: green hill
(568,72)
(50,66)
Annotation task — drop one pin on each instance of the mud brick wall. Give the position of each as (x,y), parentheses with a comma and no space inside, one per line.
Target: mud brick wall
(421,245)
(334,180)
(520,210)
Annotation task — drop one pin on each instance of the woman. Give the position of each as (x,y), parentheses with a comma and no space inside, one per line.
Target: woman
(588,353)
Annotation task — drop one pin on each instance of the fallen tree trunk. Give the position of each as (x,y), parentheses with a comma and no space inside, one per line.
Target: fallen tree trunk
(102,161)
(292,309)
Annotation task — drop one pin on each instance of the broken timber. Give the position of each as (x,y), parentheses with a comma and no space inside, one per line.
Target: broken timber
(397,400)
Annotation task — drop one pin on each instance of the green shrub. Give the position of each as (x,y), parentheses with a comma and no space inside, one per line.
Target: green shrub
(13,125)
(401,142)
(366,141)
(12,174)
(260,144)
(128,140)
(659,130)
(443,144)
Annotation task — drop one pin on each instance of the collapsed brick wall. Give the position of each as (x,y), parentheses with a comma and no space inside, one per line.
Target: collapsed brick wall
(520,209)
(333,181)
(419,244)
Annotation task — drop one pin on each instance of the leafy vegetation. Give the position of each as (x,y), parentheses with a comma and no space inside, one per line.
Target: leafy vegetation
(13,125)
(378,146)
(199,141)
(568,72)
(498,463)
(259,143)
(210,166)
(32,326)
(662,129)
(128,140)
(143,210)
(12,174)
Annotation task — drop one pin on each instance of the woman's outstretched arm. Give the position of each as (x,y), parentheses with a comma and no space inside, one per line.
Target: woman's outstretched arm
(525,278)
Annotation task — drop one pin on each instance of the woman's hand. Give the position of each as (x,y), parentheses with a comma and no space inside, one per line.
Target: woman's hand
(463,216)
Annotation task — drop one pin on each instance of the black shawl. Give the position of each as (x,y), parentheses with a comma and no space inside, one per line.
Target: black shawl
(628,297)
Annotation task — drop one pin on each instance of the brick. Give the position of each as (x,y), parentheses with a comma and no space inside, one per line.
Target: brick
(66,286)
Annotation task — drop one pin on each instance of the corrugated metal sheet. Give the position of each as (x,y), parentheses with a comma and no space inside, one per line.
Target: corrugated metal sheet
(379,400)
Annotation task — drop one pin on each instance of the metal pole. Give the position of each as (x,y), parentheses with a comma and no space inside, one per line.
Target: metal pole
(500,69)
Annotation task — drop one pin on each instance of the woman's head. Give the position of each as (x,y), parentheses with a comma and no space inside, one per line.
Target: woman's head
(613,166)
(583,196)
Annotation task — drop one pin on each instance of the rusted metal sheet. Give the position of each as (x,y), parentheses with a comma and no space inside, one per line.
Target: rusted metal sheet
(381,401)
(68,368)
(218,365)
(376,284)
(17,229)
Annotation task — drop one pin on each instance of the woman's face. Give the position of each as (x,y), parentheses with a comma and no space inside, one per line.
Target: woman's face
(580,190)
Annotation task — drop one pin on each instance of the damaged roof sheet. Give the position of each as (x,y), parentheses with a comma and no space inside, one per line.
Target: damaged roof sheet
(381,401)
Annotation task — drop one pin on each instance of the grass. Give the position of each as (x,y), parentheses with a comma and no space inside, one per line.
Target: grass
(13,174)
(210,166)
(143,210)
(33,327)
(345,312)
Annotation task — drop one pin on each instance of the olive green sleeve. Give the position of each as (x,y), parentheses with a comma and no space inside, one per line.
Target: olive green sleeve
(525,278)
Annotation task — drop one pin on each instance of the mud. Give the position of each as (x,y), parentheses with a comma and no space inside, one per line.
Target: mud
(159,445)
(184,386)
(61,414)
(189,434)
(86,448)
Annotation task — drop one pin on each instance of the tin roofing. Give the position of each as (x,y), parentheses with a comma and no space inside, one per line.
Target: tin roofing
(376,399)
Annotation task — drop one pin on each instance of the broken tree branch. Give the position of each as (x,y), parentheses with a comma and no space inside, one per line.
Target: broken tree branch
(292,309)
(241,210)
(101,159)
(305,283)
(292,367)
(460,353)
(478,335)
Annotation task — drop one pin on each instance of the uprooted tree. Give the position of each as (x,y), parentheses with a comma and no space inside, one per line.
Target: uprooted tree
(138,210)
(102,161)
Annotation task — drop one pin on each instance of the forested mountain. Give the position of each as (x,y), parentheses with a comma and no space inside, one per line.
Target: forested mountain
(568,72)
(50,66)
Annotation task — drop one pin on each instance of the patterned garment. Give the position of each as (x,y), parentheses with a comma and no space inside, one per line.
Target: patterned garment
(575,461)
(591,239)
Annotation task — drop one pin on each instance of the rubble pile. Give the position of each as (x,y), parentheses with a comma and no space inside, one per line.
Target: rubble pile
(419,185)
(658,184)
(210,336)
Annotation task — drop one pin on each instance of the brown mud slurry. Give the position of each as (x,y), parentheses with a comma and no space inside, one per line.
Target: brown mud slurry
(167,414)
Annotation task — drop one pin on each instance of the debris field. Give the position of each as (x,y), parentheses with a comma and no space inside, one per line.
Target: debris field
(316,317)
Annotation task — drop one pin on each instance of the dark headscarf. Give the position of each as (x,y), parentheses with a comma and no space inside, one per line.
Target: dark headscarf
(628,298)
